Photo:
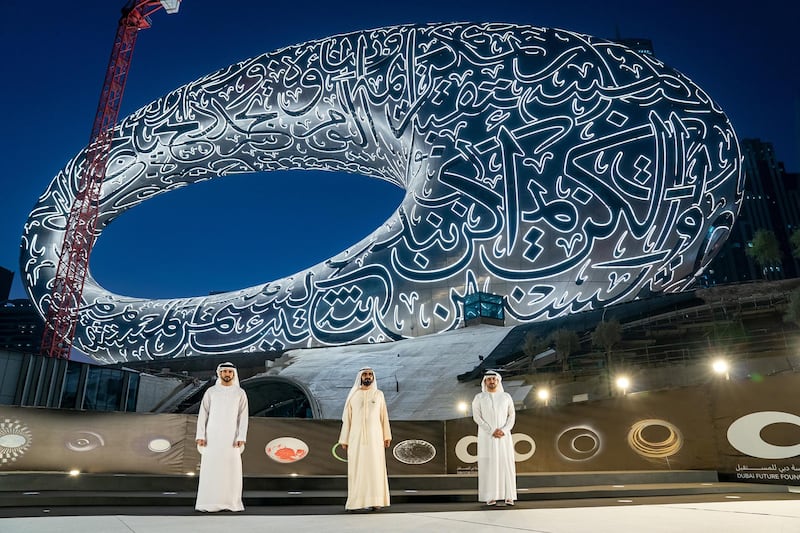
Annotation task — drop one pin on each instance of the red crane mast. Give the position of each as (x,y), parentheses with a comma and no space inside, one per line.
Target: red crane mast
(79,236)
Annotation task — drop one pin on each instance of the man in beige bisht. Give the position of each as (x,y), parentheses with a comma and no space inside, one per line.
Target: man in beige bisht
(221,435)
(365,433)
(493,411)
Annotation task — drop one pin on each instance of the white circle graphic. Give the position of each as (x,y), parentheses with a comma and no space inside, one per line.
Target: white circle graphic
(465,456)
(159,445)
(15,439)
(462,451)
(522,437)
(744,434)
(12,441)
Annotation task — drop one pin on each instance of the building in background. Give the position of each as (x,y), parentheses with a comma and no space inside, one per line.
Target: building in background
(20,326)
(29,379)
(540,190)
(20,323)
(643,46)
(37,381)
(6,276)
(772,203)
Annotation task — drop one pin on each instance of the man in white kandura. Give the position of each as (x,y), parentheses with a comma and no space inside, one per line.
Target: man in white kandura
(365,433)
(221,434)
(493,411)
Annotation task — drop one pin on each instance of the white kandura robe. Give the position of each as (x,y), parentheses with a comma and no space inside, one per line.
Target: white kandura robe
(221,422)
(365,425)
(497,476)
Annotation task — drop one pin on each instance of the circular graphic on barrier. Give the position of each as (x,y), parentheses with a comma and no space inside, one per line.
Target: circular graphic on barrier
(462,449)
(522,437)
(414,451)
(84,441)
(15,439)
(159,445)
(336,449)
(745,435)
(663,441)
(466,456)
(150,444)
(286,450)
(201,449)
(578,443)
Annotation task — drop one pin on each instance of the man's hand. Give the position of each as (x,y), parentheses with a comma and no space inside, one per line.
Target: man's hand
(344,446)
(201,442)
(238,444)
(387,442)
(498,433)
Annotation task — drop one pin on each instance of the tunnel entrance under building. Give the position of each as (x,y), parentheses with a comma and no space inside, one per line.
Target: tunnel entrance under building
(272,396)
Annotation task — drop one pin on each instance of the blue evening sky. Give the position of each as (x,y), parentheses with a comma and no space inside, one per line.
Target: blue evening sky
(744,54)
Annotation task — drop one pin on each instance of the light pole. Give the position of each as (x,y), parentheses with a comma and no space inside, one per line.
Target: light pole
(623,384)
(720,367)
(543,395)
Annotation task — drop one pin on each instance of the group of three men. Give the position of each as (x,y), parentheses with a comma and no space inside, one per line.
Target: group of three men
(222,433)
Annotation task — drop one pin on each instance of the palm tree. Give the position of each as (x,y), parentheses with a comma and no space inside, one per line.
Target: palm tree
(532,346)
(794,241)
(765,250)
(566,343)
(607,335)
(793,309)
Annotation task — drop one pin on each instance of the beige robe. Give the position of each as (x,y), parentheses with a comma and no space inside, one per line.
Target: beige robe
(365,425)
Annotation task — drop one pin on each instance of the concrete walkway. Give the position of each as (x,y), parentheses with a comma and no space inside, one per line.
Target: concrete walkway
(746,513)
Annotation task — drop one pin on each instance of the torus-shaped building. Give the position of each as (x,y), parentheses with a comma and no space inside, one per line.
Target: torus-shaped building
(560,171)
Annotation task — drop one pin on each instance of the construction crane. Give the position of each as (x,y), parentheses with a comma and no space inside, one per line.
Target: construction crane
(79,235)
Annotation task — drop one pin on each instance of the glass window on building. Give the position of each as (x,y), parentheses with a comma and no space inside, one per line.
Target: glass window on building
(133,391)
(92,385)
(110,389)
(103,389)
(483,304)
(69,394)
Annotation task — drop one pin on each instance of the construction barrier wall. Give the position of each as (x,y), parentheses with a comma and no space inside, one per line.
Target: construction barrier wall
(745,430)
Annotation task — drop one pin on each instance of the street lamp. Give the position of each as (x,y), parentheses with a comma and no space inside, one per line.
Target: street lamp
(463,407)
(543,395)
(623,384)
(720,367)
